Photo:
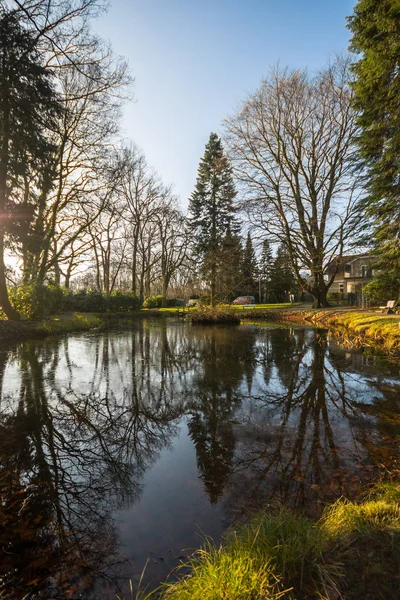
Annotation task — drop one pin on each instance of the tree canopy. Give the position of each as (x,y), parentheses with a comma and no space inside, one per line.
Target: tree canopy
(376,39)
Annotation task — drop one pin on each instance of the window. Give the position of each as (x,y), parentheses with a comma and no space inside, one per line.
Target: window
(366,271)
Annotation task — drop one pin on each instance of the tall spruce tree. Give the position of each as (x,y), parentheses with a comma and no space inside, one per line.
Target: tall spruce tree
(249,268)
(211,210)
(28,109)
(376,38)
(266,265)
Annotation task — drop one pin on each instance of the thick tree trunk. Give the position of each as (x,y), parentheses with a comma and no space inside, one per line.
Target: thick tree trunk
(319,293)
(164,292)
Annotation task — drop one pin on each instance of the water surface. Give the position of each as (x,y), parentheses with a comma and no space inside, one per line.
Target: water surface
(126,447)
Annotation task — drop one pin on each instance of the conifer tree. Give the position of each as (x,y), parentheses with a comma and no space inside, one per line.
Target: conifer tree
(376,38)
(282,278)
(249,268)
(230,259)
(266,265)
(28,109)
(211,210)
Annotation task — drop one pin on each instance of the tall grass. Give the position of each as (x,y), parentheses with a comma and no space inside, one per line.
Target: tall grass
(275,555)
(353,552)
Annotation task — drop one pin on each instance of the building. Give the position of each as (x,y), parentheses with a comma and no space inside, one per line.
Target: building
(353,273)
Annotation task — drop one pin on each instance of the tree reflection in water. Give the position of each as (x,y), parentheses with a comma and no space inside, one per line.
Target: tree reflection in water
(314,430)
(70,458)
(272,414)
(222,366)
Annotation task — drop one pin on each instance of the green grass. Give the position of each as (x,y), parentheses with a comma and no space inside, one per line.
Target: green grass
(265,306)
(69,322)
(275,555)
(179,309)
(380,332)
(11,331)
(366,539)
(353,552)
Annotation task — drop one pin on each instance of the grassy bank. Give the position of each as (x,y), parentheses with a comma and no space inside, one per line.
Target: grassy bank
(372,331)
(21,330)
(353,552)
(355,329)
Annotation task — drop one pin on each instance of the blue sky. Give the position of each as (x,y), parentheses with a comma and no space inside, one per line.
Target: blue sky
(194,61)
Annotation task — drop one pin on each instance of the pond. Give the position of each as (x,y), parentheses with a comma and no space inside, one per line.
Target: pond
(123,449)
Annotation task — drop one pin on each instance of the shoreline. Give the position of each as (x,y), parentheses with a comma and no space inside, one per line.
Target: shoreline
(363,330)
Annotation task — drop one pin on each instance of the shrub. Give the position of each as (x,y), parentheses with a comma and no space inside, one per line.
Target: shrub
(173,302)
(153,302)
(123,302)
(383,288)
(204,300)
(90,300)
(34,301)
(94,301)
(207,315)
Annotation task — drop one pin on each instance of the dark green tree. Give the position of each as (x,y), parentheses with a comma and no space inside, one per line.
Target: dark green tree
(28,109)
(249,268)
(211,210)
(282,277)
(266,265)
(230,257)
(376,38)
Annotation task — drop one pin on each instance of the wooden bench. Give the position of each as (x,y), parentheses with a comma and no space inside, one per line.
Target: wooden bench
(388,309)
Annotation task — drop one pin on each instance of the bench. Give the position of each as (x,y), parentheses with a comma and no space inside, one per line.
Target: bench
(388,309)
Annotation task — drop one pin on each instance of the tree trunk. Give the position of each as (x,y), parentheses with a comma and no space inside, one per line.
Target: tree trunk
(213,282)
(4,161)
(134,264)
(319,293)
(68,275)
(5,304)
(164,292)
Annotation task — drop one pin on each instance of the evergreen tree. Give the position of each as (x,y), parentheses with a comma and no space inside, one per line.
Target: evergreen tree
(266,265)
(282,278)
(28,109)
(229,273)
(249,268)
(211,210)
(376,37)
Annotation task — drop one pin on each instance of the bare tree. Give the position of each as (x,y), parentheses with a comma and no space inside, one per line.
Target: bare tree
(140,194)
(292,148)
(173,239)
